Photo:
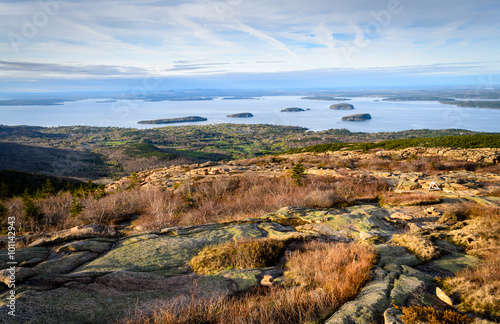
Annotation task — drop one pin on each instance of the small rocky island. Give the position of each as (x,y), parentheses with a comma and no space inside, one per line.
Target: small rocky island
(173,120)
(240,115)
(294,109)
(342,106)
(357,117)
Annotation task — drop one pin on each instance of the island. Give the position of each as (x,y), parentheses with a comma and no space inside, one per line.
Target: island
(237,98)
(294,109)
(240,115)
(173,120)
(357,117)
(328,98)
(342,106)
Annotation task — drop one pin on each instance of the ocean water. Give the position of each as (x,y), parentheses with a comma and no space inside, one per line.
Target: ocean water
(386,115)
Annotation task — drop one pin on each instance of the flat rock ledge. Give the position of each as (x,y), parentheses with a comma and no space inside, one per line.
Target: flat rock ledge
(91,274)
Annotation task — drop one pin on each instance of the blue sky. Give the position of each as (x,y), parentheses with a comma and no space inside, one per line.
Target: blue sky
(52,45)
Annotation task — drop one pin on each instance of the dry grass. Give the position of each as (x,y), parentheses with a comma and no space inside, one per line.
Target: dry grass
(225,198)
(481,231)
(421,246)
(429,315)
(409,199)
(239,255)
(324,199)
(479,288)
(320,278)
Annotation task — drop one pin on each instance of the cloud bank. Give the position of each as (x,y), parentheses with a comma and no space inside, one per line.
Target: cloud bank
(49,39)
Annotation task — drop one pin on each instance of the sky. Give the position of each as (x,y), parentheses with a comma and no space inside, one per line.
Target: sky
(87,45)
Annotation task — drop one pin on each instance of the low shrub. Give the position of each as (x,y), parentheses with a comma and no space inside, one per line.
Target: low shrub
(409,199)
(456,214)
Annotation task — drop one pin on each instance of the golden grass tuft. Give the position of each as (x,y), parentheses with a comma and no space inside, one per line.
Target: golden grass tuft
(421,246)
(320,277)
(255,253)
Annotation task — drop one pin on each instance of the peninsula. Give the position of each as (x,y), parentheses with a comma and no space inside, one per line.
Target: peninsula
(473,103)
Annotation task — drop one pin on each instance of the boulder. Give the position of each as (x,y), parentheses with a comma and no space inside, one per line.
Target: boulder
(368,307)
(64,264)
(78,232)
(398,255)
(19,275)
(392,316)
(31,255)
(96,245)
(267,281)
(404,288)
(443,296)
(401,216)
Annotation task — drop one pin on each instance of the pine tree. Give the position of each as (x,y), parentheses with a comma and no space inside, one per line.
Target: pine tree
(298,172)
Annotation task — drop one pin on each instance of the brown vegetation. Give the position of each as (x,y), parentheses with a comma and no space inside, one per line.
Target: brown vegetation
(238,255)
(428,165)
(425,314)
(479,288)
(420,245)
(319,278)
(409,199)
(225,198)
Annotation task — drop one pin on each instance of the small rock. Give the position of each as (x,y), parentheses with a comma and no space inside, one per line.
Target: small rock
(392,315)
(267,281)
(18,275)
(430,210)
(401,216)
(443,296)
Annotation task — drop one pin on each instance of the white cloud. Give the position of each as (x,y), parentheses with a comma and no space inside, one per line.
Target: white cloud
(289,35)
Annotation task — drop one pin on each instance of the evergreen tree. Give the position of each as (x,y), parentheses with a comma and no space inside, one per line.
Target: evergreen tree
(48,188)
(32,212)
(298,172)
